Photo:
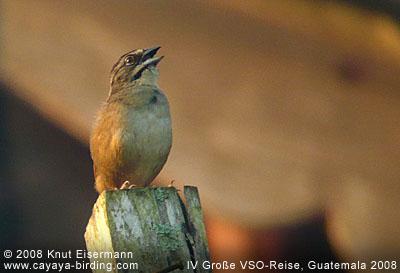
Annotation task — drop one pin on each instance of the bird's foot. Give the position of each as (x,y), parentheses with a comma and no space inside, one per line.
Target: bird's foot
(171,185)
(127,185)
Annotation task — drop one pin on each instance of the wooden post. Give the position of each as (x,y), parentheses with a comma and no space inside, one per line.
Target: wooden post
(147,230)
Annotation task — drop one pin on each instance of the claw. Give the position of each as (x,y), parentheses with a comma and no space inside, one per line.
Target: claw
(127,185)
(171,184)
(131,186)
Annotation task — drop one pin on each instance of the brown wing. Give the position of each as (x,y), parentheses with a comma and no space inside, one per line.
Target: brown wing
(105,148)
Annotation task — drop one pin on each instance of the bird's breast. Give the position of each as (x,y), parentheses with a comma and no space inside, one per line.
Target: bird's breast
(147,137)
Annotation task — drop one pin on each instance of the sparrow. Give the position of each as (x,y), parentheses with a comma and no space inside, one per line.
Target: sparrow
(132,136)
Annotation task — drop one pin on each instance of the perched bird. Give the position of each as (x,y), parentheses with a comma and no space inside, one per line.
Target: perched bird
(132,135)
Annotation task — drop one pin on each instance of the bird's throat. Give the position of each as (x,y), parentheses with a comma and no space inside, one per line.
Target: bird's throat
(149,76)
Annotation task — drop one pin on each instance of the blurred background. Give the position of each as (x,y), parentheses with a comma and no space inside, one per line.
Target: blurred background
(286,115)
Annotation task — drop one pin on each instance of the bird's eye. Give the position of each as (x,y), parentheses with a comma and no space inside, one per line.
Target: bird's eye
(129,60)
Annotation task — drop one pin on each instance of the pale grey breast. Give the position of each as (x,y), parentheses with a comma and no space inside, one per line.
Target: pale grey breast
(147,140)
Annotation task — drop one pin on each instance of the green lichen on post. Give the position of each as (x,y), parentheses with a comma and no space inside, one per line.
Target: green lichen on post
(196,226)
(168,238)
(161,194)
(152,224)
(131,214)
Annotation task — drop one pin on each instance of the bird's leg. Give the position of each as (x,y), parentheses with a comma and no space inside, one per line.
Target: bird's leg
(171,184)
(127,185)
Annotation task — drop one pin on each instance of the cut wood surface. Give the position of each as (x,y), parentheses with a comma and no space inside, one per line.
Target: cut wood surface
(153,226)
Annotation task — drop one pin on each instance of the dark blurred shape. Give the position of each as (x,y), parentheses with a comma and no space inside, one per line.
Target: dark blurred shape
(9,212)
(352,70)
(46,181)
(308,242)
(391,7)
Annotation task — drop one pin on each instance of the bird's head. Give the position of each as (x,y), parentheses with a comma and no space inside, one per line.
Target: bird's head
(137,66)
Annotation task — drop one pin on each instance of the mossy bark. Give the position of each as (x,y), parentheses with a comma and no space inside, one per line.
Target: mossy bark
(153,226)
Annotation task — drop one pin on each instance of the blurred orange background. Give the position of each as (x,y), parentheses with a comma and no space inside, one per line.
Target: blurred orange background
(285,115)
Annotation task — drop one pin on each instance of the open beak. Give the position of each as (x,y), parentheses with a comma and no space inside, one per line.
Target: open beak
(148,56)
